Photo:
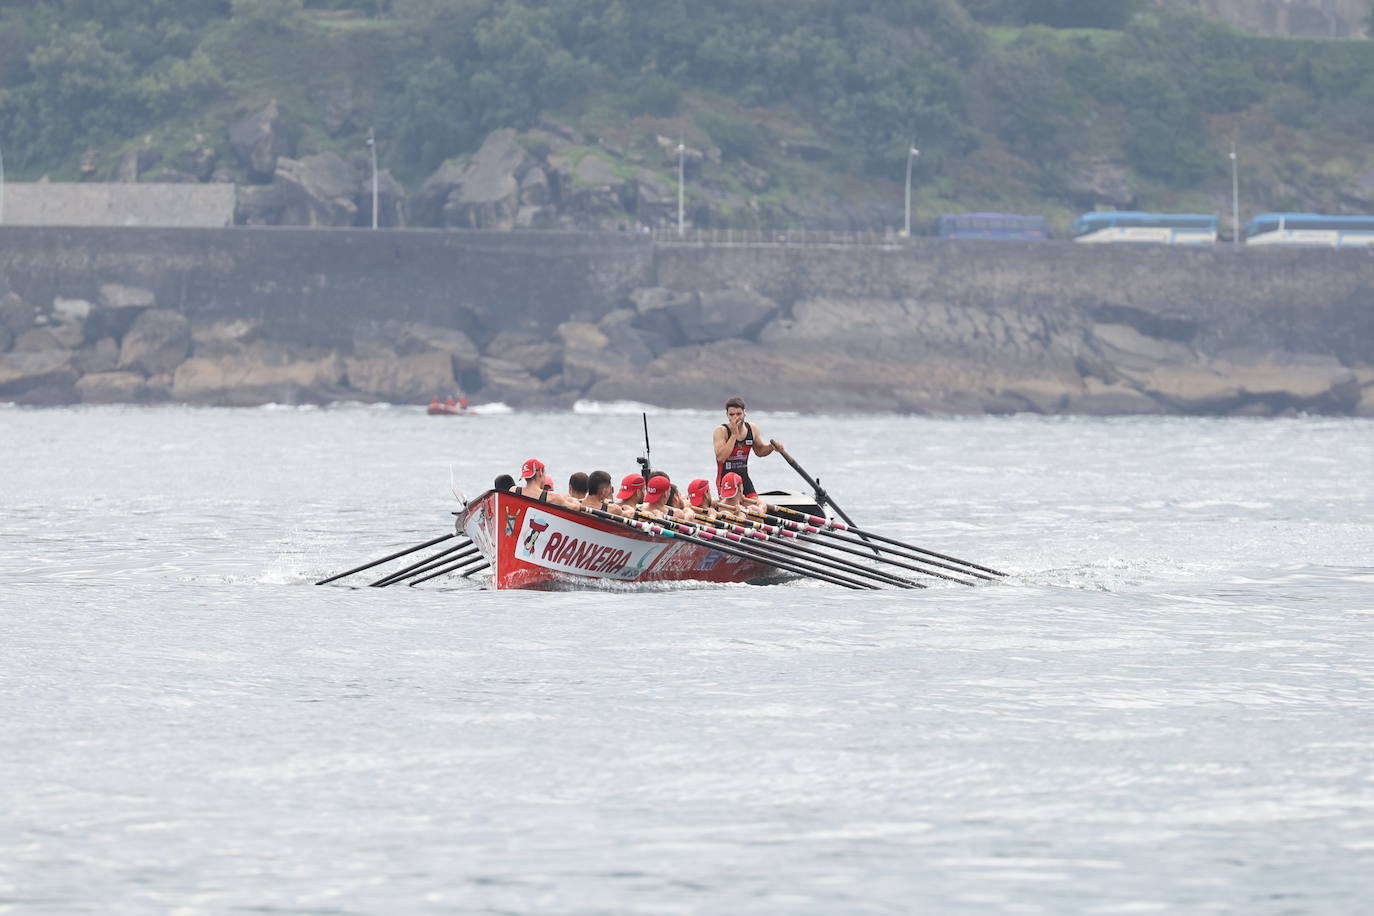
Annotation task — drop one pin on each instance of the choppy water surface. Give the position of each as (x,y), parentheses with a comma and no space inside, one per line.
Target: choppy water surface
(1168,708)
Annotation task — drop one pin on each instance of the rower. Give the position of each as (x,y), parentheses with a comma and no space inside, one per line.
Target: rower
(533,476)
(732,498)
(629,495)
(600,490)
(699,495)
(577,486)
(658,493)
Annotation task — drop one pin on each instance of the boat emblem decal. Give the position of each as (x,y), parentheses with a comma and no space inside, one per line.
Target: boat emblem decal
(536,529)
(510,523)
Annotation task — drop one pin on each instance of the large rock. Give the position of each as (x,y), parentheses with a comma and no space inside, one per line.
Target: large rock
(259,205)
(198,159)
(112,387)
(319,190)
(158,341)
(37,340)
(16,314)
(503,380)
(1253,384)
(628,339)
(417,338)
(23,372)
(483,193)
(540,358)
(728,314)
(403,379)
(259,140)
(101,356)
(247,379)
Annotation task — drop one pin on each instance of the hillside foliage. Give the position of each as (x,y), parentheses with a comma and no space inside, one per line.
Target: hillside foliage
(1003,96)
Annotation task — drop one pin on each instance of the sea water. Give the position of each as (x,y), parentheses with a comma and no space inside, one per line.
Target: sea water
(1167,707)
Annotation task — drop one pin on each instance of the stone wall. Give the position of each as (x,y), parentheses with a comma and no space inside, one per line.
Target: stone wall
(43,203)
(244,316)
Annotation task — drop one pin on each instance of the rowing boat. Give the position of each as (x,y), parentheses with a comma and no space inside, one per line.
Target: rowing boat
(448,410)
(533,544)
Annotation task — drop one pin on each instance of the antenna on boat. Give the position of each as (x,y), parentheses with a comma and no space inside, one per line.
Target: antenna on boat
(644,462)
(453,486)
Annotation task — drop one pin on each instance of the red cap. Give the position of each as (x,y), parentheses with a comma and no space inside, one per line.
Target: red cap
(530,468)
(698,490)
(729,485)
(628,484)
(657,487)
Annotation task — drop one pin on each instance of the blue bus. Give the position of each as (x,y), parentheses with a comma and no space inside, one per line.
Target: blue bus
(991,226)
(1134,226)
(1311,230)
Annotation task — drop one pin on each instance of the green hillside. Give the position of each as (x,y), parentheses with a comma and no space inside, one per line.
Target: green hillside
(804,108)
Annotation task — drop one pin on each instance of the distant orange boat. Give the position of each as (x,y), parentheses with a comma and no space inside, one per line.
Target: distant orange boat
(449,408)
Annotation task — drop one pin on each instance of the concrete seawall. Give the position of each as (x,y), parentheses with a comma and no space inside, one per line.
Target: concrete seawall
(242,316)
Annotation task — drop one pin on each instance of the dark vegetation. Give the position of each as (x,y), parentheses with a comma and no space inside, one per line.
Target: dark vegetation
(1012,102)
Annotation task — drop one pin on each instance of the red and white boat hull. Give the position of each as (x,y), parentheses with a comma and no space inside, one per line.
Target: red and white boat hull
(532,544)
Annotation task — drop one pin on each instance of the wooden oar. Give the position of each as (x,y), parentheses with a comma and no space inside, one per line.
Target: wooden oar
(450,568)
(827,525)
(438,559)
(778,539)
(822,498)
(807,532)
(709,539)
(397,554)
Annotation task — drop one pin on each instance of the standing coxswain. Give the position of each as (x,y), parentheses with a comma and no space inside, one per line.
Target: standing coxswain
(734,440)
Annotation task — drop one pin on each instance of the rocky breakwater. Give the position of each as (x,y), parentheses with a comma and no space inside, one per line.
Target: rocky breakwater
(920,327)
(976,328)
(123,348)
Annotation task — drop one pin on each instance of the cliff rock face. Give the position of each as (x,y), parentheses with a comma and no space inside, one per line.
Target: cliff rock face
(1305,18)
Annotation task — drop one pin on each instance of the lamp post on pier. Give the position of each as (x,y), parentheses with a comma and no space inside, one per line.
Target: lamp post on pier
(911,154)
(372,145)
(681,175)
(1235,200)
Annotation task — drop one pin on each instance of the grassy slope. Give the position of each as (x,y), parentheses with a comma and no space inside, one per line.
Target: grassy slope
(1297,152)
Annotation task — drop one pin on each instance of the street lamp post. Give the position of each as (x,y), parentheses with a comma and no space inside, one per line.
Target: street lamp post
(1235,200)
(372,145)
(681,175)
(911,154)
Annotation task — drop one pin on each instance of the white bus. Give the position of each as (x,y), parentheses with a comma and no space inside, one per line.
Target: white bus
(1311,230)
(1134,226)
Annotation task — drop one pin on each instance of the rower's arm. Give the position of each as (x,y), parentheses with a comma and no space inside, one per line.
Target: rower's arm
(724,443)
(762,448)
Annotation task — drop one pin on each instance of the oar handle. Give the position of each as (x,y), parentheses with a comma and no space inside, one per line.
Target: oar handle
(822,498)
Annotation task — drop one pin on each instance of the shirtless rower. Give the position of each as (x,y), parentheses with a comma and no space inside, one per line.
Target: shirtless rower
(600,490)
(577,486)
(534,483)
(732,500)
(733,441)
(656,493)
(700,499)
(629,495)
